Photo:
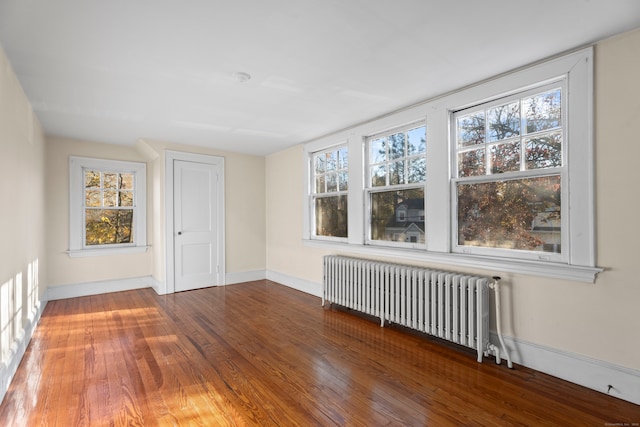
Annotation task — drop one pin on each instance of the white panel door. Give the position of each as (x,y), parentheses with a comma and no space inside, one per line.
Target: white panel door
(196,237)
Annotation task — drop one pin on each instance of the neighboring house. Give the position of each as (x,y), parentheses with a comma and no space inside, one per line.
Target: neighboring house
(407,225)
(546,227)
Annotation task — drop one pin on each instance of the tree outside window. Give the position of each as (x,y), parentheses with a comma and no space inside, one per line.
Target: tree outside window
(329,196)
(509,170)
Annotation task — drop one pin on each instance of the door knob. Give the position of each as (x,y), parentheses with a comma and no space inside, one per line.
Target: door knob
(179,233)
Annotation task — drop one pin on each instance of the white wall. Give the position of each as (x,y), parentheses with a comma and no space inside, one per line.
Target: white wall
(64,270)
(596,322)
(22,212)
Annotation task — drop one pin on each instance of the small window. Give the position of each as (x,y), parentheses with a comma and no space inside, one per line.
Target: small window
(329,196)
(107,208)
(510,172)
(396,177)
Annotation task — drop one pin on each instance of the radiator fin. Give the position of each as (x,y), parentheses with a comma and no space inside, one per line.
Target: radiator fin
(448,305)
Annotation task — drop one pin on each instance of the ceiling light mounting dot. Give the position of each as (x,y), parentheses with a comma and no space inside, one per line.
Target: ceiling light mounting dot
(241,76)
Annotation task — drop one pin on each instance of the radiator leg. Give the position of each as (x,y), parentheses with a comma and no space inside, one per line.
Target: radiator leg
(496,288)
(493,349)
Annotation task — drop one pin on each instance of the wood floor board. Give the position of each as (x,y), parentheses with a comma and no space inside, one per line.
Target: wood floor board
(262,354)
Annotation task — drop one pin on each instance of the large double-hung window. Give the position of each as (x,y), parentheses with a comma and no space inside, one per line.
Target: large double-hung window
(107,207)
(330,184)
(509,173)
(395,187)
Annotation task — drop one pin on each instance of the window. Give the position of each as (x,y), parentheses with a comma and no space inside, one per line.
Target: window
(507,185)
(509,163)
(329,195)
(396,177)
(107,206)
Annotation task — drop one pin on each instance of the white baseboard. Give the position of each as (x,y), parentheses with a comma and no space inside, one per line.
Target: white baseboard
(102,287)
(585,371)
(244,276)
(307,286)
(9,367)
(158,286)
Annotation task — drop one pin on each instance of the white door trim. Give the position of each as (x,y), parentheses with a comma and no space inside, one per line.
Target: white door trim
(170,156)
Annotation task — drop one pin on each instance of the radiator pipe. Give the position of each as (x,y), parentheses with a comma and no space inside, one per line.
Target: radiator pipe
(495,285)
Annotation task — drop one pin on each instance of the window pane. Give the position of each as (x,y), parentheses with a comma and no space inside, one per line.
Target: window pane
(544,151)
(343,158)
(332,182)
(108,226)
(92,198)
(396,173)
(470,129)
(320,184)
(91,179)
(110,180)
(332,160)
(505,157)
(377,151)
(378,176)
(318,162)
(504,121)
(126,181)
(471,163)
(417,143)
(518,214)
(396,146)
(398,216)
(417,170)
(110,198)
(331,216)
(543,111)
(343,181)
(126,198)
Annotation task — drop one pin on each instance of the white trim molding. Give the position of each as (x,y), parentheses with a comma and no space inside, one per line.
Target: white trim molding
(490,264)
(245,276)
(101,287)
(306,286)
(605,377)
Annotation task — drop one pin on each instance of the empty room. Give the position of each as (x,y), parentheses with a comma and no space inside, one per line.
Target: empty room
(300,212)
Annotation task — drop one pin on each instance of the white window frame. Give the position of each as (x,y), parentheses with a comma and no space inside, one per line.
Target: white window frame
(313,195)
(576,69)
(77,247)
(369,189)
(514,175)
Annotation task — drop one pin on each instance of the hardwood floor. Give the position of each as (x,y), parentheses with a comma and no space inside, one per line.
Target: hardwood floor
(260,353)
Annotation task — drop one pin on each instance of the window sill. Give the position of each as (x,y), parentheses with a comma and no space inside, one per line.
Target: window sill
(494,265)
(79,253)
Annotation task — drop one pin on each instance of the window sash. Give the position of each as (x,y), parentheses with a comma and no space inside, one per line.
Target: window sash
(388,163)
(370,194)
(77,208)
(322,185)
(511,173)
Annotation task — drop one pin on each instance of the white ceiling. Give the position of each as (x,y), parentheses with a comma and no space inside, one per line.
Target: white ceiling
(119,70)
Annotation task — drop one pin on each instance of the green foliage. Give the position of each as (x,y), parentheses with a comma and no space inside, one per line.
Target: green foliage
(108,226)
(501,213)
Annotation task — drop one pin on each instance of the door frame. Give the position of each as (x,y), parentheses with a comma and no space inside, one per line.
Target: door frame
(170,157)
